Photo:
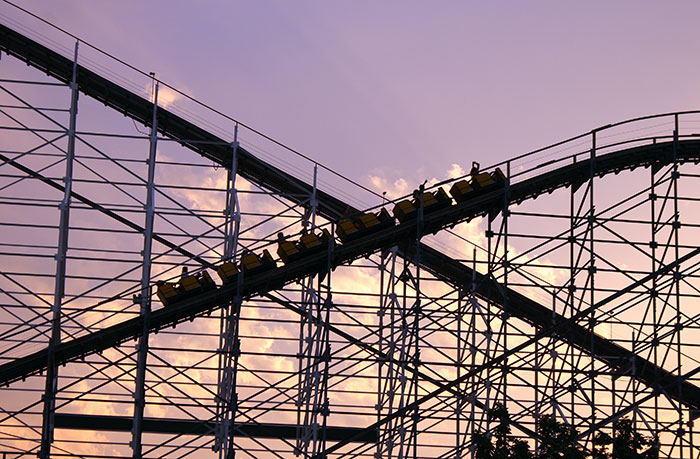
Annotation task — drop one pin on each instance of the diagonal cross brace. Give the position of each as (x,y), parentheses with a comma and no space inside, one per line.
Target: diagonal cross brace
(290,187)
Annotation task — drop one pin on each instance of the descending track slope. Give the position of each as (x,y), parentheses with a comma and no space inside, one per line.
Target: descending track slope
(441,266)
(283,184)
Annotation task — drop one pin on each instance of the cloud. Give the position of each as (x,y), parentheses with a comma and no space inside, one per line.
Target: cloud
(455,171)
(395,189)
(166,96)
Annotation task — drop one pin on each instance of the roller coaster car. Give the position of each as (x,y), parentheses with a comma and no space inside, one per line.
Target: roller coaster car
(485,179)
(375,222)
(406,209)
(312,241)
(366,223)
(403,210)
(190,285)
(433,201)
(252,263)
(462,190)
(227,272)
(197,283)
(346,230)
(482,180)
(498,176)
(167,292)
(287,251)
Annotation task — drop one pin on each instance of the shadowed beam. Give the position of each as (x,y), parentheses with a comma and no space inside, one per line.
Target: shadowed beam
(274,179)
(438,264)
(493,363)
(192,427)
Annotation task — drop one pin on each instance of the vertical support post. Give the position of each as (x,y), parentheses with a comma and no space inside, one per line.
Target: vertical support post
(536,401)
(402,332)
(490,315)
(314,200)
(384,297)
(314,358)
(229,342)
(314,350)
(459,360)
(466,356)
(653,244)
(506,267)
(415,330)
(473,340)
(51,385)
(591,275)
(571,294)
(144,298)
(232,211)
(675,176)
(389,373)
(398,438)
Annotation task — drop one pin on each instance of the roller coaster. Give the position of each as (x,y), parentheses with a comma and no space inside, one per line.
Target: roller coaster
(361,339)
(347,230)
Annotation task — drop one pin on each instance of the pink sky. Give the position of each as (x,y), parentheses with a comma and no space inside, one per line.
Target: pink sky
(405,89)
(402,89)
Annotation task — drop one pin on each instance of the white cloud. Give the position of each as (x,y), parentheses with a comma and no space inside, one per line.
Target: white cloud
(166,96)
(395,189)
(455,171)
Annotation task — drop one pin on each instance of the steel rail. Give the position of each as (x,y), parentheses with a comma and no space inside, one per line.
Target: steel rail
(283,184)
(438,264)
(544,333)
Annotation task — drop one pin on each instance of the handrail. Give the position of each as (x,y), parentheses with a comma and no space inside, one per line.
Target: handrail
(597,130)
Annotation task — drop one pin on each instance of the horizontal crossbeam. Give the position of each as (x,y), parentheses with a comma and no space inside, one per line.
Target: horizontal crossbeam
(192,427)
(273,179)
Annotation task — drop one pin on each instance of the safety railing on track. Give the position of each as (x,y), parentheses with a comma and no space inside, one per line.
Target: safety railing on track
(623,134)
(179,102)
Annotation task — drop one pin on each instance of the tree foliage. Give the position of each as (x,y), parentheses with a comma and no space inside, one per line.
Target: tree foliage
(626,443)
(557,440)
(502,445)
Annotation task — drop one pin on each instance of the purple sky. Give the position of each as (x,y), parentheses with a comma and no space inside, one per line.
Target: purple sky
(401,89)
(405,89)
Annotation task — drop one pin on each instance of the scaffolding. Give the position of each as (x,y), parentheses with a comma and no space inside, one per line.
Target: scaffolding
(568,289)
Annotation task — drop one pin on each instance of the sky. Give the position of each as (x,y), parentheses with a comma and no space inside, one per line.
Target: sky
(402,89)
(392,93)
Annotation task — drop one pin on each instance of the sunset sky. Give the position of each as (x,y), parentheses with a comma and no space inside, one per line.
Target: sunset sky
(388,94)
(405,89)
